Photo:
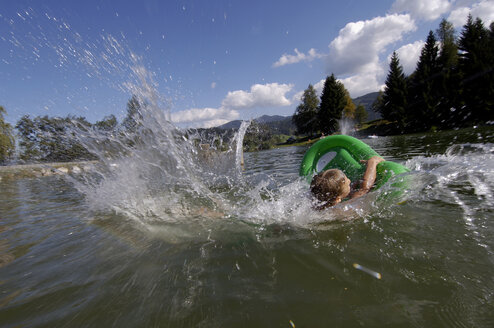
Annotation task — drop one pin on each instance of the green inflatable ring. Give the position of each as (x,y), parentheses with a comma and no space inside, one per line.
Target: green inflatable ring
(345,153)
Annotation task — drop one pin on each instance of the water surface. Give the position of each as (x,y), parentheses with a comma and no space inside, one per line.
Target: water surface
(223,248)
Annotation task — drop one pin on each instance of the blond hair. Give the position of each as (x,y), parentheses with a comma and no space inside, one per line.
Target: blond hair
(327,186)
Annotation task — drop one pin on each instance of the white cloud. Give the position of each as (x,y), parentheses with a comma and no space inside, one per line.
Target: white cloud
(422,9)
(319,86)
(287,59)
(260,95)
(204,117)
(358,45)
(482,9)
(458,17)
(354,54)
(358,85)
(409,56)
(297,97)
(371,78)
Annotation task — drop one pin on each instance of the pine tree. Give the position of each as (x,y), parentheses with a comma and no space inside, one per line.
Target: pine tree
(108,123)
(448,83)
(333,102)
(305,116)
(475,64)
(134,114)
(422,96)
(490,76)
(393,104)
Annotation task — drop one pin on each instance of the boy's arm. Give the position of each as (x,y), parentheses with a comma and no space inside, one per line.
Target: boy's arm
(369,176)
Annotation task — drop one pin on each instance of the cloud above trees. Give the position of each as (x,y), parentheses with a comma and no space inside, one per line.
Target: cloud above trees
(409,56)
(357,47)
(355,52)
(359,55)
(287,59)
(204,117)
(259,95)
(483,9)
(422,9)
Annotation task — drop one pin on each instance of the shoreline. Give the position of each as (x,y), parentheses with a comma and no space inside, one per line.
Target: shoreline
(38,170)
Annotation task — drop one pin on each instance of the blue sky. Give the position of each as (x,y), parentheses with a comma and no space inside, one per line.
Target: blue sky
(209,62)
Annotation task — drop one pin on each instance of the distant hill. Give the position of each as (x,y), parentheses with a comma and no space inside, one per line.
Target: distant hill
(231,125)
(279,124)
(283,124)
(367,100)
(270,118)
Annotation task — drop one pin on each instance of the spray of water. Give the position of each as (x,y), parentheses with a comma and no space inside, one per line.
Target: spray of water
(152,172)
(462,177)
(346,126)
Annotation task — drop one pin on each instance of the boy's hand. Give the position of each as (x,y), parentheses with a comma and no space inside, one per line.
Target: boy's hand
(369,176)
(374,160)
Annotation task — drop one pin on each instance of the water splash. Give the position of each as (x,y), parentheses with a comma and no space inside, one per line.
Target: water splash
(347,126)
(462,177)
(239,153)
(156,172)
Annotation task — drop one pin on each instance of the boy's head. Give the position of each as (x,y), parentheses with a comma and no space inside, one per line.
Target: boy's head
(330,187)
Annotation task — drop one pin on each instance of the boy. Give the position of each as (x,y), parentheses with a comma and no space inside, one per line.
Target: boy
(332,186)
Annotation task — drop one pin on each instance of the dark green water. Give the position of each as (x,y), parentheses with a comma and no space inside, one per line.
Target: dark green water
(249,251)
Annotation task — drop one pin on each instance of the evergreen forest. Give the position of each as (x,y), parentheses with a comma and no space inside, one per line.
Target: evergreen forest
(451,87)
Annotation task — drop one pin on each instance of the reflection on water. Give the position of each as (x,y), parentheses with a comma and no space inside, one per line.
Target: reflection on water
(250,251)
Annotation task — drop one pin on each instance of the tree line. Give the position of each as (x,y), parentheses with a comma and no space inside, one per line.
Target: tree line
(323,114)
(452,86)
(58,139)
(62,139)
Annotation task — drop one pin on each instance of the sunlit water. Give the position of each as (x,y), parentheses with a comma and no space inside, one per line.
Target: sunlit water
(213,246)
(160,233)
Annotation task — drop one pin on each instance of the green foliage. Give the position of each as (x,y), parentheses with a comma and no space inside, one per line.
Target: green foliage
(48,139)
(476,62)
(134,114)
(393,104)
(453,84)
(448,54)
(108,123)
(305,116)
(448,82)
(422,91)
(333,101)
(7,142)
(258,137)
(360,114)
(378,104)
(349,109)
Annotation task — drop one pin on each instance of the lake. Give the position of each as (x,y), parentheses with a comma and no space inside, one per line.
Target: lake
(149,240)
